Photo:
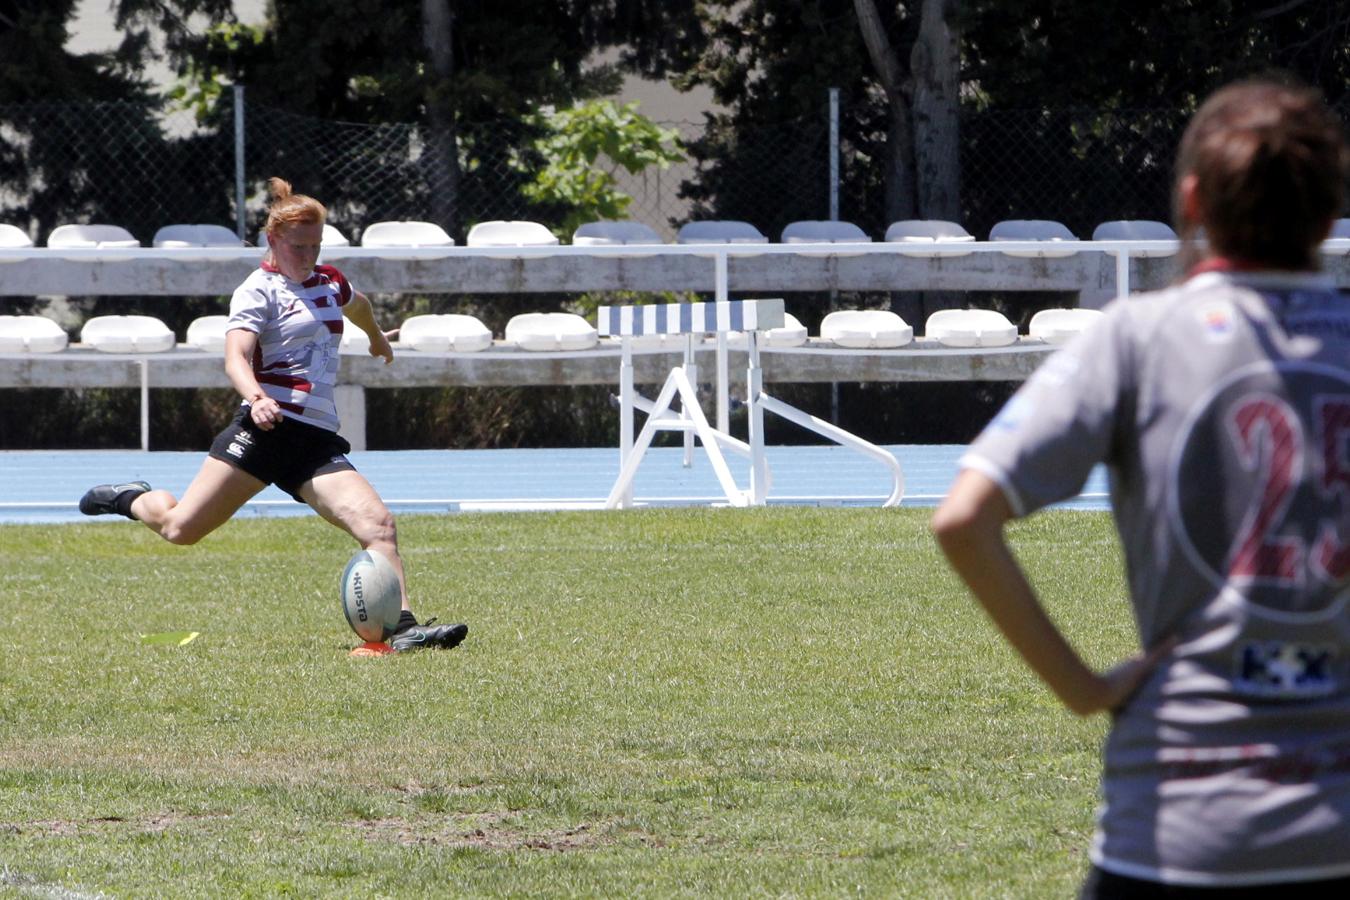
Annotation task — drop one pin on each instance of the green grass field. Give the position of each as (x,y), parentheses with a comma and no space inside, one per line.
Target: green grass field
(660,703)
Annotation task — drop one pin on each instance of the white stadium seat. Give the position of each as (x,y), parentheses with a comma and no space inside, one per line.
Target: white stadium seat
(111,242)
(1138,230)
(970,328)
(510,233)
(614,234)
(721,231)
(866,329)
(824,231)
(406,234)
(14,238)
(1055,326)
(917,236)
(792,333)
(31,334)
(450,333)
(551,331)
(90,237)
(208,333)
(354,341)
(127,334)
(1340,234)
(1044,231)
(179,237)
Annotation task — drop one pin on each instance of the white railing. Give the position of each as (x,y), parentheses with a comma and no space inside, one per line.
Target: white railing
(567,268)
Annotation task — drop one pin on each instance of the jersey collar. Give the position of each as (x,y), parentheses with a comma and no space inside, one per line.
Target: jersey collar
(270,267)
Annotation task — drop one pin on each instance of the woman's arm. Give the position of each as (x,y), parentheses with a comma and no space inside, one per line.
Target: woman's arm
(969,528)
(362,315)
(239,346)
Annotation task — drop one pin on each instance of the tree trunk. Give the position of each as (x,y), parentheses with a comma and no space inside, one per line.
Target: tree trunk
(442,145)
(900,185)
(935,71)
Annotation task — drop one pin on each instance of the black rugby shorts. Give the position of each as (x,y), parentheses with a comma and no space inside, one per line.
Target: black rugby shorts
(287,456)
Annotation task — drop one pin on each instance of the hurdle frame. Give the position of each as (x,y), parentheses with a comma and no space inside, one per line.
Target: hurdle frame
(718,317)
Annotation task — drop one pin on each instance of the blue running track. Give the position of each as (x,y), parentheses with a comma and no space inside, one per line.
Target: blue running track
(45,485)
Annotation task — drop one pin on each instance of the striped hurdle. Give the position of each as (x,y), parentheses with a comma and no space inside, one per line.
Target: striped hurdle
(718,317)
(690,318)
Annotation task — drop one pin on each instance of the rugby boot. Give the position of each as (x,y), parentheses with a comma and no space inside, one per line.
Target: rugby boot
(428,635)
(102,500)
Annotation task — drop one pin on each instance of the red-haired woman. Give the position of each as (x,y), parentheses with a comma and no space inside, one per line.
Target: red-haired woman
(281,355)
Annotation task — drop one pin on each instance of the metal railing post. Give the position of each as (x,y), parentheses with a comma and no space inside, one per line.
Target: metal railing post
(834,154)
(834,217)
(239,211)
(144,366)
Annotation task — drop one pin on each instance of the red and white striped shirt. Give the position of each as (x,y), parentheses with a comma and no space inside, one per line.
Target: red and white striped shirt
(299,329)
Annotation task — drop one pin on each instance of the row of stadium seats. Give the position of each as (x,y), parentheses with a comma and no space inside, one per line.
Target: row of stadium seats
(858,329)
(915,233)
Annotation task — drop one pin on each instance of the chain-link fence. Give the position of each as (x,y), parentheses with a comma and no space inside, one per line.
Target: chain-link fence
(142,169)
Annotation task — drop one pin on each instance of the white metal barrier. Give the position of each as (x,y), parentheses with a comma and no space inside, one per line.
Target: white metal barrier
(881,265)
(630,323)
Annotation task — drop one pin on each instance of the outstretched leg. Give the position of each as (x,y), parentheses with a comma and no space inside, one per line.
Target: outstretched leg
(215,494)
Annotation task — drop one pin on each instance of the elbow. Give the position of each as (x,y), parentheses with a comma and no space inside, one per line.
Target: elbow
(973,512)
(953,526)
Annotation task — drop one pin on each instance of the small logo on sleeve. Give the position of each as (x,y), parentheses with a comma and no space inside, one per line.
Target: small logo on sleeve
(1217,323)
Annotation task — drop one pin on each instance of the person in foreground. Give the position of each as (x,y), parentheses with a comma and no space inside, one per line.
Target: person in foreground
(281,355)
(1221,409)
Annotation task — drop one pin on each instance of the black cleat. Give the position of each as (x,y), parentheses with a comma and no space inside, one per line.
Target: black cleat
(427,635)
(102,500)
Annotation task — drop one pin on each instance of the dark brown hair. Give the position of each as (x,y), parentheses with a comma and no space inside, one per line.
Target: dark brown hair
(1270,164)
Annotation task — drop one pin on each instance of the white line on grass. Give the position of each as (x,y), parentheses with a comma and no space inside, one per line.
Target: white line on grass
(29,886)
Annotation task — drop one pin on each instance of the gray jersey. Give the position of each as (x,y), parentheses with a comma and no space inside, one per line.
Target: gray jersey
(1221,409)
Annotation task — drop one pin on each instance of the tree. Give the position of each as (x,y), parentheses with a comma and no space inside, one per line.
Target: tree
(438,37)
(923,171)
(469,73)
(574,158)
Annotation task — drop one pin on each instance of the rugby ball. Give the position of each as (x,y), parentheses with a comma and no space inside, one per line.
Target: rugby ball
(371,598)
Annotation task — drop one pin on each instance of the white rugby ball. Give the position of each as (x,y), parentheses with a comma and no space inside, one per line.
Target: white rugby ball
(371,599)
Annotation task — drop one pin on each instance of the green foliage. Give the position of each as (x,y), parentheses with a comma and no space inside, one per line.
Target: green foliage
(657,703)
(581,147)
(207,73)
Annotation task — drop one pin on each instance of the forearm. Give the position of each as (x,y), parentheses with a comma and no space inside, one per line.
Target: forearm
(240,373)
(969,527)
(361,314)
(982,559)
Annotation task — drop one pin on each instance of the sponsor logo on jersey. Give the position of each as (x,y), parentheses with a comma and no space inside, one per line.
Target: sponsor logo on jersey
(1217,322)
(1284,669)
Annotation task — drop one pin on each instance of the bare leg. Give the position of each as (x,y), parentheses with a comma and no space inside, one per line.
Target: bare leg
(348,501)
(215,494)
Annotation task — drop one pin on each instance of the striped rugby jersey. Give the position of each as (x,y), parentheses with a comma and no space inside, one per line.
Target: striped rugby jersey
(299,328)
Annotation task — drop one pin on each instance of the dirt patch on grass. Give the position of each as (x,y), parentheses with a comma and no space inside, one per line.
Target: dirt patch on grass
(487,831)
(67,827)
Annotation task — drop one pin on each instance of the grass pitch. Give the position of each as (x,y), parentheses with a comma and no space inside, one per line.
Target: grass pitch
(660,703)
